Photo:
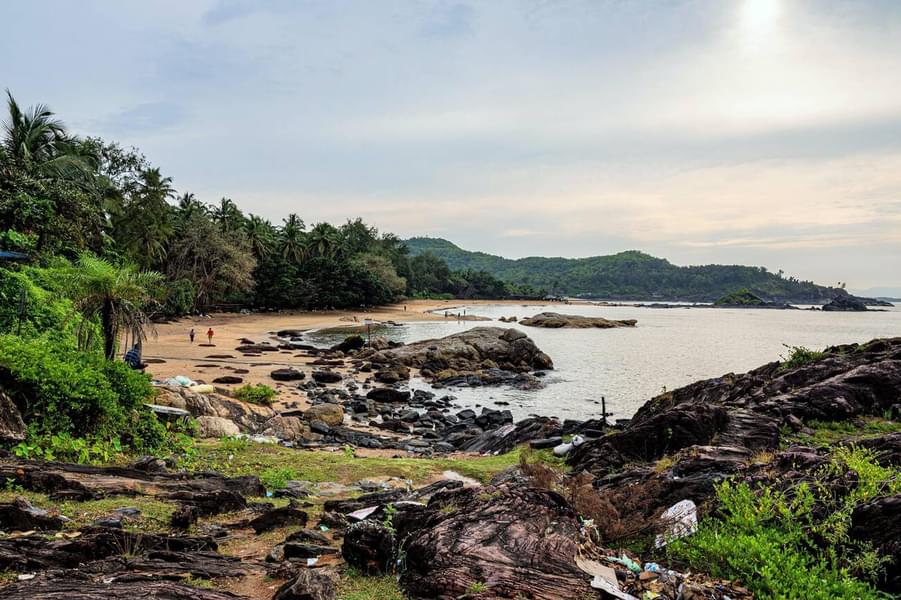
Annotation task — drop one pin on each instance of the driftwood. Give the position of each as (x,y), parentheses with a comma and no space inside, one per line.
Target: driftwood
(82,588)
(211,493)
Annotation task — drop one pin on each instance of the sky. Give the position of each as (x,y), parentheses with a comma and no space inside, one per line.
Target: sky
(763,132)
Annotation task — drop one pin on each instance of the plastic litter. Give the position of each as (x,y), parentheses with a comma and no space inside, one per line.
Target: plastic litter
(312,561)
(652,567)
(626,562)
(359,515)
(323,528)
(563,449)
(202,388)
(681,520)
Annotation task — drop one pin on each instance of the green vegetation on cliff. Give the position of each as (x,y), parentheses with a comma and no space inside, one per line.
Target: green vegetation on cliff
(628,275)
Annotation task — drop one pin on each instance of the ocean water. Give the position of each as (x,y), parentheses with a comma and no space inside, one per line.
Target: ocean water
(669,348)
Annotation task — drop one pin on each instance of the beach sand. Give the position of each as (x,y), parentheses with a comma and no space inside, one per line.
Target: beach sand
(172,345)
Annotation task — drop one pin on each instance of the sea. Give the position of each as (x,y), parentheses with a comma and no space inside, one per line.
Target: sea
(669,348)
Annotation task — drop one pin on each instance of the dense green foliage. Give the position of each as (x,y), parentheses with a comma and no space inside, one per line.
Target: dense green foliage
(627,275)
(793,544)
(742,297)
(255,394)
(799,356)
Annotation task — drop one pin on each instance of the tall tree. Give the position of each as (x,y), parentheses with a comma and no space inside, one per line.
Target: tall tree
(116,296)
(292,239)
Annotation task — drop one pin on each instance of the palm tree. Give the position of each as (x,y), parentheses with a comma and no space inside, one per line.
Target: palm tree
(322,240)
(116,295)
(260,235)
(39,143)
(227,215)
(189,205)
(293,245)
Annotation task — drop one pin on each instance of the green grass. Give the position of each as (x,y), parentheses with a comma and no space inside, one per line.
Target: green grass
(827,433)
(342,467)
(355,586)
(799,356)
(155,514)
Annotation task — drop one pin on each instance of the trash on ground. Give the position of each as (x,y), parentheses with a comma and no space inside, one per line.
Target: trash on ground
(680,520)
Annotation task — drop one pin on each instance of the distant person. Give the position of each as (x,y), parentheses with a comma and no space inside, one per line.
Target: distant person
(209,335)
(405,308)
(191,335)
(133,358)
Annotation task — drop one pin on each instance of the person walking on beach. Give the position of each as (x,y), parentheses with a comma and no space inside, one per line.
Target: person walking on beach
(191,335)
(209,334)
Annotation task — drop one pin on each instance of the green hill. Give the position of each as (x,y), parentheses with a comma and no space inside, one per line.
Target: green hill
(629,275)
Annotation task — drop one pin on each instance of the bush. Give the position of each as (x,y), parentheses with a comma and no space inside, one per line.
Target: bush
(179,299)
(276,478)
(43,312)
(799,356)
(60,390)
(255,394)
(767,537)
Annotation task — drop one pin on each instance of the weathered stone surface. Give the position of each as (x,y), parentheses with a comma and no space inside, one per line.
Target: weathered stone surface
(216,427)
(552,320)
(327,376)
(287,374)
(279,517)
(468,352)
(369,546)
(12,428)
(327,412)
(513,539)
(878,522)
(21,515)
(308,585)
(845,304)
(388,394)
(250,418)
(285,428)
(228,380)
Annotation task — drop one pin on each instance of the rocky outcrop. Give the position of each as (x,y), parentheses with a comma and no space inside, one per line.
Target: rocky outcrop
(878,522)
(747,410)
(330,414)
(216,427)
(467,353)
(248,418)
(552,320)
(513,541)
(845,304)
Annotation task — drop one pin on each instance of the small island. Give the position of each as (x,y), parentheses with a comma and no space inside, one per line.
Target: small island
(744,298)
(845,304)
(552,320)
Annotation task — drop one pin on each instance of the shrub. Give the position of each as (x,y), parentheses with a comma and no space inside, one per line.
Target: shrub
(255,394)
(767,538)
(179,299)
(799,356)
(276,478)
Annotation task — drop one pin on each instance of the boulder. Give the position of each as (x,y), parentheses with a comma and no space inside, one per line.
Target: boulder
(287,374)
(552,320)
(392,374)
(216,427)
(514,540)
(12,428)
(309,584)
(350,343)
(387,394)
(845,304)
(228,380)
(21,515)
(326,376)
(330,414)
(369,546)
(250,418)
(468,352)
(285,428)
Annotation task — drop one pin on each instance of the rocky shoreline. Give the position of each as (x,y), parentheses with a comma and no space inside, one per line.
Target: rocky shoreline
(529,531)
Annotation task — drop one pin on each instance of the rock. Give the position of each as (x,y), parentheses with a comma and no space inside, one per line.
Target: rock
(216,427)
(256,348)
(279,517)
(21,515)
(287,374)
(350,343)
(326,376)
(285,428)
(228,379)
(12,428)
(387,394)
(308,585)
(369,546)
(250,418)
(468,353)
(552,320)
(393,374)
(878,522)
(317,426)
(845,304)
(304,550)
(330,414)
(517,540)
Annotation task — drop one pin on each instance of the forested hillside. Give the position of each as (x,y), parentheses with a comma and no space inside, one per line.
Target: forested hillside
(627,275)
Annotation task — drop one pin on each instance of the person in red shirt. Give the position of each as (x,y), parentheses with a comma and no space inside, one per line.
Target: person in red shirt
(209,334)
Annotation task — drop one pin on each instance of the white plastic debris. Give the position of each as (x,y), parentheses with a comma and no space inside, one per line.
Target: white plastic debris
(563,449)
(26,576)
(312,561)
(359,515)
(680,519)
(604,578)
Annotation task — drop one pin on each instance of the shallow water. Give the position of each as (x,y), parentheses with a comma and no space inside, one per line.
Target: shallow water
(669,348)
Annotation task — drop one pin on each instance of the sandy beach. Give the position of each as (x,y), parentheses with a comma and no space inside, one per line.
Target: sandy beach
(202,362)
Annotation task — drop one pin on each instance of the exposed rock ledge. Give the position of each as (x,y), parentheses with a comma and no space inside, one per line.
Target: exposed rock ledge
(468,352)
(552,320)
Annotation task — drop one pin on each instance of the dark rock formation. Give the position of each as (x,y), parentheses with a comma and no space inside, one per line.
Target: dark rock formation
(20,515)
(287,374)
(552,320)
(278,517)
(369,546)
(12,428)
(326,376)
(467,353)
(514,540)
(308,585)
(879,523)
(80,588)
(845,304)
(228,379)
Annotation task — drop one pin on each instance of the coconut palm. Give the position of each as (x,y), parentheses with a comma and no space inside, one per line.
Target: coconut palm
(116,296)
(227,215)
(38,142)
(260,235)
(322,240)
(189,205)
(292,239)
